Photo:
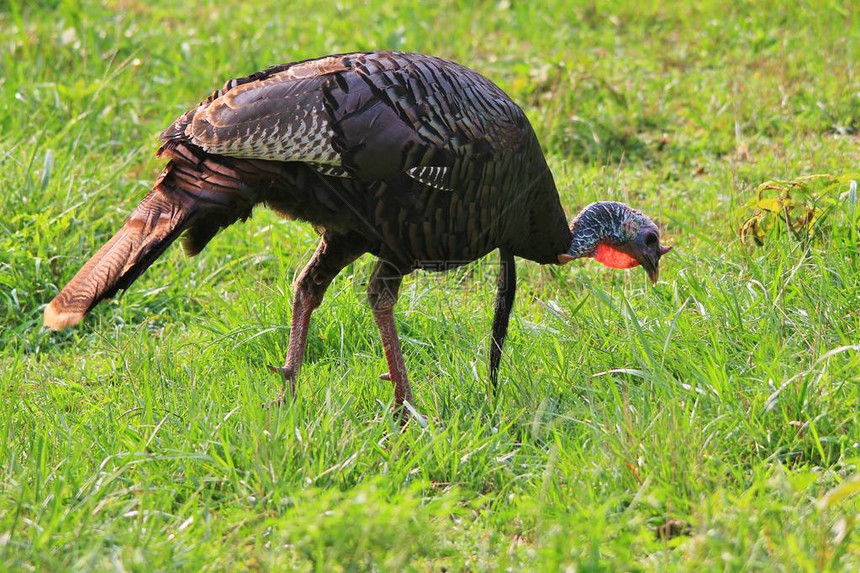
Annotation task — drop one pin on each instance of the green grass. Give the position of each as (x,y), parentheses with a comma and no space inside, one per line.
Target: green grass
(727,397)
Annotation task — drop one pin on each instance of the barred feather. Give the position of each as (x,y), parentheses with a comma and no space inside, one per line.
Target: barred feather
(178,202)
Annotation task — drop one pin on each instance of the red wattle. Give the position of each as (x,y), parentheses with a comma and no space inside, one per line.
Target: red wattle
(612,257)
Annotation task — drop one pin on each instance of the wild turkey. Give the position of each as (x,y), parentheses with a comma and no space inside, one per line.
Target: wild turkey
(418,160)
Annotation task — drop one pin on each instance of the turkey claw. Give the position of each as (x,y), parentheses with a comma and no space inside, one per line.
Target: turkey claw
(276,403)
(288,375)
(407,412)
(282,370)
(385,376)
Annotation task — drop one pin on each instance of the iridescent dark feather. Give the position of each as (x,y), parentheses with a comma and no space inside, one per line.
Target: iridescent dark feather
(428,160)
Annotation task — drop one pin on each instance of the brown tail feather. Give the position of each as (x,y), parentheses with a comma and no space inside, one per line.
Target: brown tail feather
(150,229)
(194,193)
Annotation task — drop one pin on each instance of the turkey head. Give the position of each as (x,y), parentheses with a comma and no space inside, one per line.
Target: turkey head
(617,236)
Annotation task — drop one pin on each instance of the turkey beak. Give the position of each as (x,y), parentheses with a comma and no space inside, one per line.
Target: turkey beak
(649,258)
(651,262)
(651,265)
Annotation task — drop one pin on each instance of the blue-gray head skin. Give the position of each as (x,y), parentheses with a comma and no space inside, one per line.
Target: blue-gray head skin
(617,236)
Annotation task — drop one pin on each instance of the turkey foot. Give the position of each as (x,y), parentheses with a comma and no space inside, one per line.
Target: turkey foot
(289,375)
(382,291)
(405,408)
(403,403)
(279,401)
(332,254)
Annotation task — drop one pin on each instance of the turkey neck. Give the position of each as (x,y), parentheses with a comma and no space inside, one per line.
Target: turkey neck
(583,241)
(597,222)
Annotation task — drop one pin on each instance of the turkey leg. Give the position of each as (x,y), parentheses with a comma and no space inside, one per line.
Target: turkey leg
(507,286)
(382,293)
(332,255)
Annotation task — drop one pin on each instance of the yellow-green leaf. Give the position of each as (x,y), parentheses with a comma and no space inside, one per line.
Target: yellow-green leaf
(769,204)
(840,492)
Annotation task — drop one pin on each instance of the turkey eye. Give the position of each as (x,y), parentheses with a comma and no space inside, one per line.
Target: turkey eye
(650,239)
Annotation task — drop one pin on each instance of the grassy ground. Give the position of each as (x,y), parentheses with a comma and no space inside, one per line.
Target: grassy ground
(722,404)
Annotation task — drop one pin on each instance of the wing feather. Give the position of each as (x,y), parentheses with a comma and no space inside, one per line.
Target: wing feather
(372,115)
(277,114)
(279,118)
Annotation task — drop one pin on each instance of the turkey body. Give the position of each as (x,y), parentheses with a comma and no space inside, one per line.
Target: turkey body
(415,159)
(429,162)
